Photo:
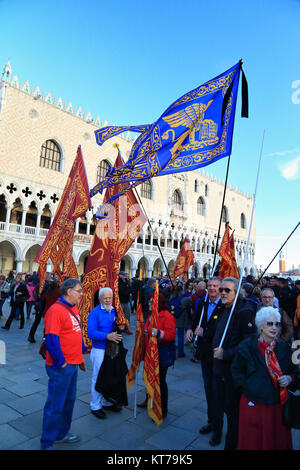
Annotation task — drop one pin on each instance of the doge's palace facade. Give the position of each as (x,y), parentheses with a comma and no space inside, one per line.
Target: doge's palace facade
(39,137)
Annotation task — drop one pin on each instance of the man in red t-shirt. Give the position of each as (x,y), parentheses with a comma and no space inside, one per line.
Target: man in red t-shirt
(65,349)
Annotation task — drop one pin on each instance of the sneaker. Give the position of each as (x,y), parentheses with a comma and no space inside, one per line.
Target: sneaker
(69,439)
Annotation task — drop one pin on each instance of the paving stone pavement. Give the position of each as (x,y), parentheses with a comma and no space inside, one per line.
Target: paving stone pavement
(23,391)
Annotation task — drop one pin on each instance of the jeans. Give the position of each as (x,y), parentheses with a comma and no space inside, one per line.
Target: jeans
(1,305)
(29,306)
(59,405)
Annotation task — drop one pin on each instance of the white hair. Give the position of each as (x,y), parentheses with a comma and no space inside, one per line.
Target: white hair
(104,290)
(264,314)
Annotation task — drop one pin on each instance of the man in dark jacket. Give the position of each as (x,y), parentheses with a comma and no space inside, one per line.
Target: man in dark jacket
(211,307)
(18,294)
(241,325)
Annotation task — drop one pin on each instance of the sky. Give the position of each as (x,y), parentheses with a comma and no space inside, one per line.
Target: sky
(127,61)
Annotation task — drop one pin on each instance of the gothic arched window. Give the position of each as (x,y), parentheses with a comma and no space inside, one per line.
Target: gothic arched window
(200,206)
(102,169)
(50,156)
(146,190)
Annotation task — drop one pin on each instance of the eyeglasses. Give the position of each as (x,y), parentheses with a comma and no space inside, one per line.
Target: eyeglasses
(273,323)
(226,289)
(266,297)
(79,291)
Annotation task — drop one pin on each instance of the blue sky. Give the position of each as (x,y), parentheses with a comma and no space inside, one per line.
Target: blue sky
(127,61)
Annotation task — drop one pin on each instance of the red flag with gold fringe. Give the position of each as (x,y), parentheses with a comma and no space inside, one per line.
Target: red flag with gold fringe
(235,270)
(228,266)
(58,244)
(151,368)
(113,237)
(184,260)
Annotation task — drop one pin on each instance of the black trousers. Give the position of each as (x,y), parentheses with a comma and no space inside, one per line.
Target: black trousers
(13,312)
(163,389)
(35,324)
(228,399)
(214,410)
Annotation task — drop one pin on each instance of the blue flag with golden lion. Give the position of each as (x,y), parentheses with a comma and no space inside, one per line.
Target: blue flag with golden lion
(193,132)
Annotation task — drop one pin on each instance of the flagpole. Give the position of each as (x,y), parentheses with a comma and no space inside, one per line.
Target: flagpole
(220,221)
(247,246)
(277,253)
(159,249)
(135,394)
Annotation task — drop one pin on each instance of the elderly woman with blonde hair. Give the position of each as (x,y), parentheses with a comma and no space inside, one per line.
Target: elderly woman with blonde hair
(263,369)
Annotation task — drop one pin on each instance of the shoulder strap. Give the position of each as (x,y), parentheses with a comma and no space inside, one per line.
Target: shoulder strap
(68,308)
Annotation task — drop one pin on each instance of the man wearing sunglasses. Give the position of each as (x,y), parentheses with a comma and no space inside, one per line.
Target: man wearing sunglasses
(211,307)
(241,325)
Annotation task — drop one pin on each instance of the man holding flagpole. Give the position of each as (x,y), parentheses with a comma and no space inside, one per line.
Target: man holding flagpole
(241,325)
(203,326)
(100,328)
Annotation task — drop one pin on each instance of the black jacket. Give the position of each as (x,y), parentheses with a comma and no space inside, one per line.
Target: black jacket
(204,343)
(124,291)
(250,373)
(242,324)
(20,295)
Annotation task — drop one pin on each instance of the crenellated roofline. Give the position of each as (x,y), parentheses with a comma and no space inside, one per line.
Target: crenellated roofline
(37,94)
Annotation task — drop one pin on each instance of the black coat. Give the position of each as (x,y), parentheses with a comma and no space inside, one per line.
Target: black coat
(242,324)
(250,373)
(111,380)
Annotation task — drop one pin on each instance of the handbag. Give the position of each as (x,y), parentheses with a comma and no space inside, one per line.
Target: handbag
(291,410)
(43,349)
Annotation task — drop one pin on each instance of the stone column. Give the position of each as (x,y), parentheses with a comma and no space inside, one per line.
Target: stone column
(23,220)
(19,266)
(76,225)
(38,224)
(7,219)
(132,272)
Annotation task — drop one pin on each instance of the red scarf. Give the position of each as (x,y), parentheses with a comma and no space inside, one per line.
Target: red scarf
(273,366)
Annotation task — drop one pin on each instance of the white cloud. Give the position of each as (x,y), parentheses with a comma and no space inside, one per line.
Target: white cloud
(291,170)
(284,153)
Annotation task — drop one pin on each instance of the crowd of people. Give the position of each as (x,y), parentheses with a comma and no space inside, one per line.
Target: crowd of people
(241,339)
